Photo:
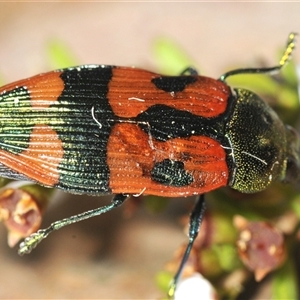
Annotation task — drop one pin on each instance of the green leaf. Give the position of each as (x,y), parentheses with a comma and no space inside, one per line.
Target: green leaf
(155,204)
(2,81)
(227,257)
(260,83)
(295,204)
(163,280)
(284,284)
(171,58)
(4,182)
(60,55)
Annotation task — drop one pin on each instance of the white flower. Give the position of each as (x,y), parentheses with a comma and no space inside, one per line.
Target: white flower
(195,287)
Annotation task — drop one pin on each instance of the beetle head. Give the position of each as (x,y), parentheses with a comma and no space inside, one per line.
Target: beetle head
(259,142)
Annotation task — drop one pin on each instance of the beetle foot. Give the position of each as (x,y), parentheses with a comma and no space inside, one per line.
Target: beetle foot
(32,241)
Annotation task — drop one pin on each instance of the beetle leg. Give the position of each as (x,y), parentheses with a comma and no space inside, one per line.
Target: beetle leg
(34,239)
(196,218)
(189,71)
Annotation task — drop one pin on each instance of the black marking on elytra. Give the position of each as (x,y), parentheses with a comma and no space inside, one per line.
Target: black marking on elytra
(173,83)
(164,122)
(171,173)
(84,140)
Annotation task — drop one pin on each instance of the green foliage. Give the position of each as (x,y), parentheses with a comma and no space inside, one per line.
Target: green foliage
(171,59)
(60,55)
(284,283)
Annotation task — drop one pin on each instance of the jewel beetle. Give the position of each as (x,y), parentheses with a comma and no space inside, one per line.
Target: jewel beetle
(99,129)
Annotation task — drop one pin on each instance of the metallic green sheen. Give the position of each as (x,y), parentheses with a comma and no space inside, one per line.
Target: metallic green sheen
(17,120)
(258,141)
(75,117)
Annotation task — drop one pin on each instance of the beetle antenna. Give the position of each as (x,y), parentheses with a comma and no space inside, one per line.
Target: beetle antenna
(195,223)
(283,61)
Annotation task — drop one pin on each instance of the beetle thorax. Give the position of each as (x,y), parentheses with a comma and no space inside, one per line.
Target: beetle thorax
(258,141)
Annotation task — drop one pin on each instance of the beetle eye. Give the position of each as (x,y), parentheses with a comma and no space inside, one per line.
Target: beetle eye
(267,119)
